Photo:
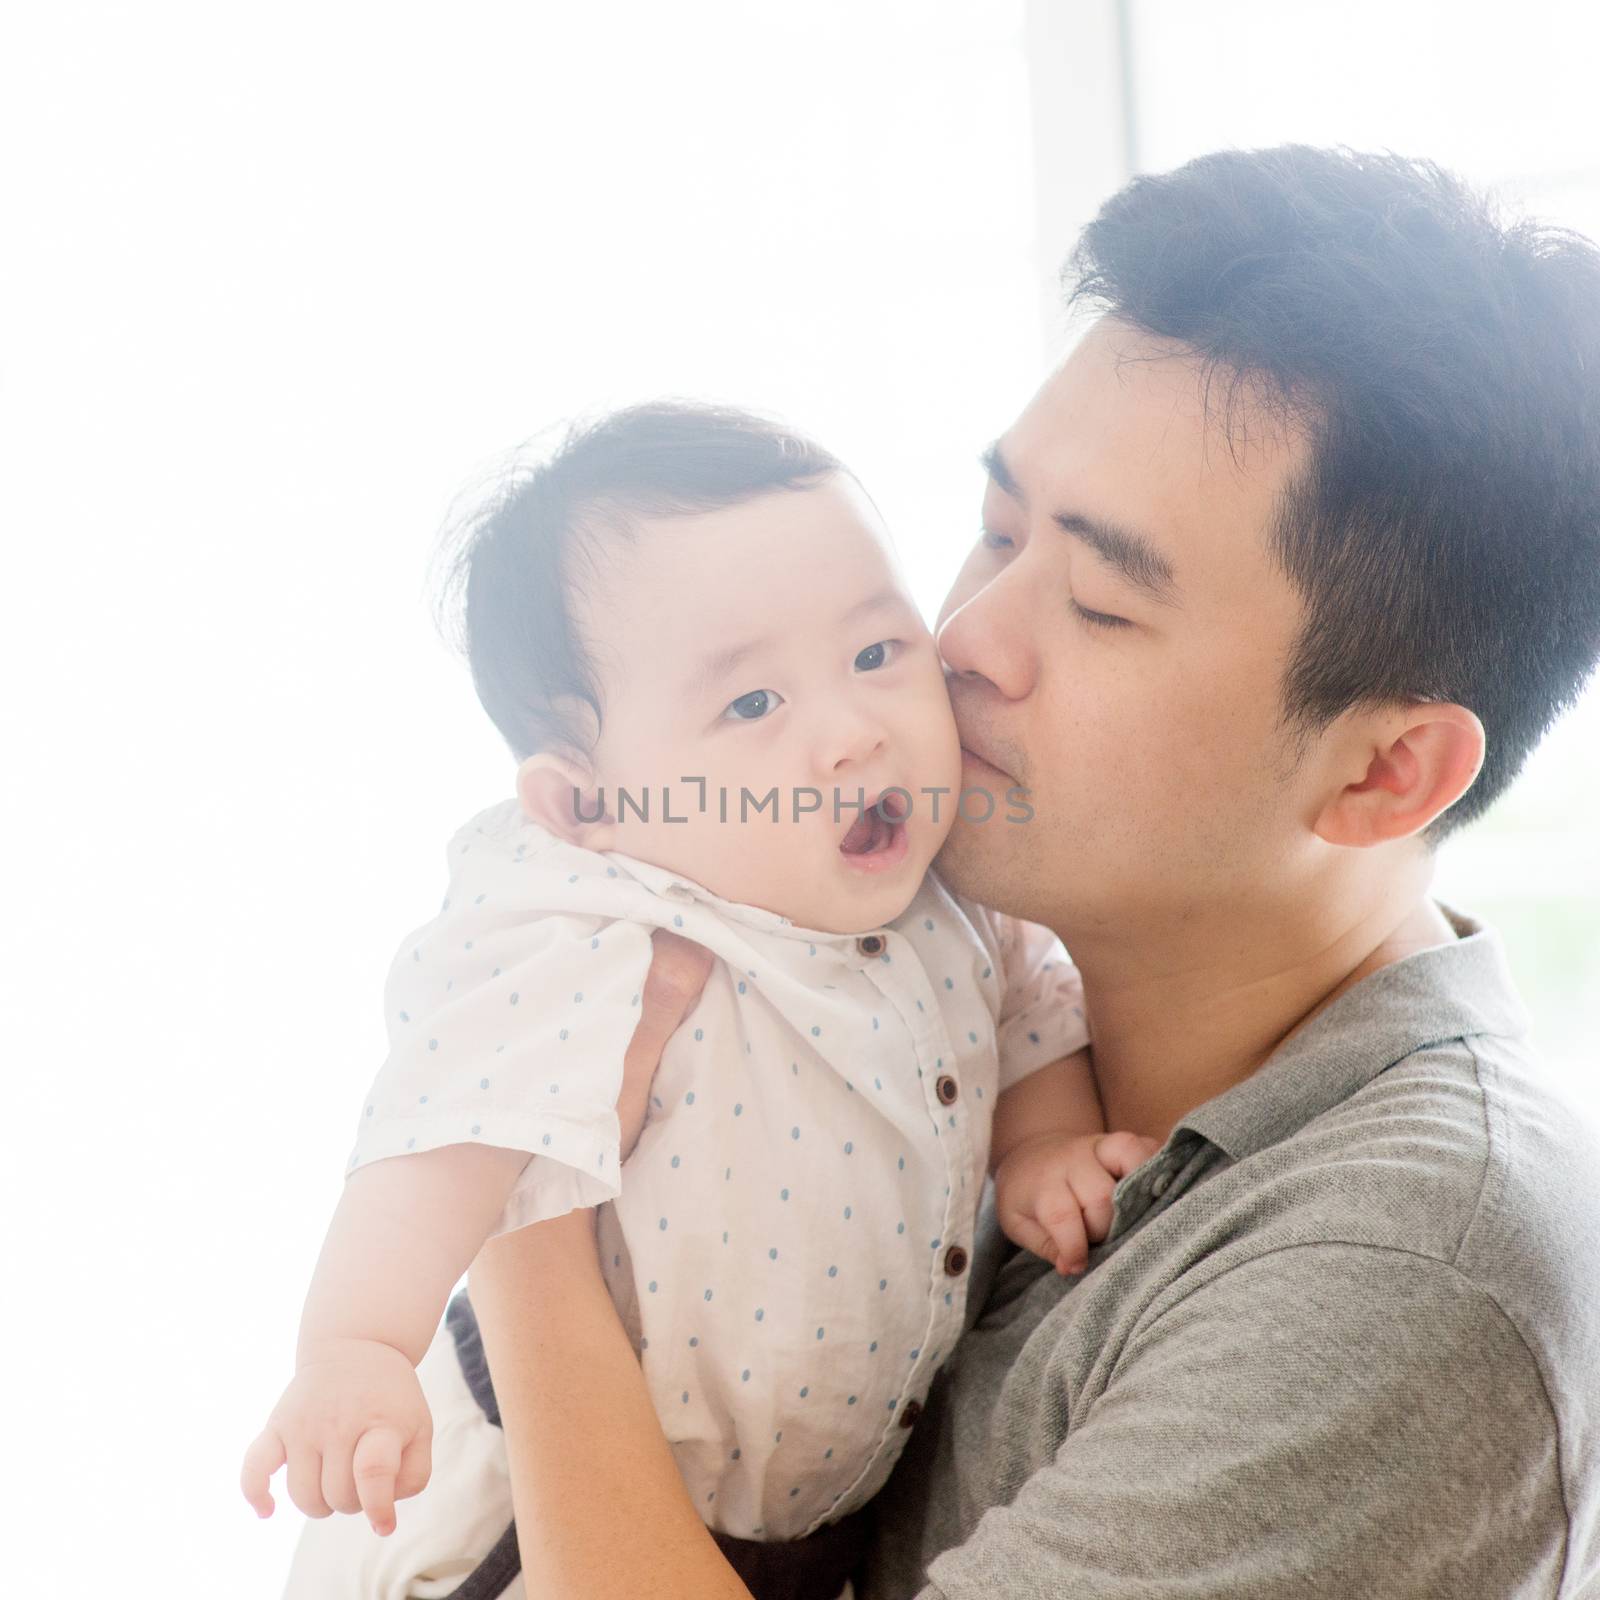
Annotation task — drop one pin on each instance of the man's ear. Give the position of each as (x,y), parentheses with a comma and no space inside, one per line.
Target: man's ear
(563,797)
(1402,766)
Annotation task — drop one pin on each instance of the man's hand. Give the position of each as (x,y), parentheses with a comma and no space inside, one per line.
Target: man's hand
(1053,1191)
(678,973)
(354,1431)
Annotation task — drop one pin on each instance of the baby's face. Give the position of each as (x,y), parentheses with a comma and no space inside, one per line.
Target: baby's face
(772,646)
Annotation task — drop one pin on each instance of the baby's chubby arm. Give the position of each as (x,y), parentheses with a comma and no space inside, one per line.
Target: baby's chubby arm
(1054,1164)
(352,1427)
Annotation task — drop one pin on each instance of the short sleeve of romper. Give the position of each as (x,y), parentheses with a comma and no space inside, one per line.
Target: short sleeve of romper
(508,1015)
(1041,1004)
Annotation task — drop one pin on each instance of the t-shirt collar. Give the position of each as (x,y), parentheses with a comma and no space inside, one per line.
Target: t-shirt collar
(1451,991)
(672,885)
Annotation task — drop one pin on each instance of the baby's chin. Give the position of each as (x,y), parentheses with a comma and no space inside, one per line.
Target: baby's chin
(851,901)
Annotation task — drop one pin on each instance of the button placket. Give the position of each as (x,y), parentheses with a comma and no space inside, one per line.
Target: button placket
(909,987)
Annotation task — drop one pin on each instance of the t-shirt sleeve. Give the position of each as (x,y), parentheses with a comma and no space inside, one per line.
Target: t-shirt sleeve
(1328,1419)
(507,1026)
(1041,1003)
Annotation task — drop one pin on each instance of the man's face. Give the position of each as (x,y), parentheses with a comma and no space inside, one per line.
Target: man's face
(1116,643)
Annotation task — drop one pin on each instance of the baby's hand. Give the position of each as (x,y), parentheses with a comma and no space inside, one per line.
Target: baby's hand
(1053,1191)
(353,1429)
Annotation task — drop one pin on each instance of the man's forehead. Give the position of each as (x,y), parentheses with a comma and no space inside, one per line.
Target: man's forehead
(1128,431)
(1120,393)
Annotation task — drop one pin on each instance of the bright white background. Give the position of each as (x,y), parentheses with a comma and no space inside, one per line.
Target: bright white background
(278,285)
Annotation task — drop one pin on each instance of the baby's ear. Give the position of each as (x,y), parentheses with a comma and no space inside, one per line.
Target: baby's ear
(563,798)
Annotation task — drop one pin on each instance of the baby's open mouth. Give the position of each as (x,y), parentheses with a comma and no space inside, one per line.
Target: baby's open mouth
(872,832)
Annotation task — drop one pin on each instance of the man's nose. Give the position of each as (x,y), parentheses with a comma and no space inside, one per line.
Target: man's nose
(988,637)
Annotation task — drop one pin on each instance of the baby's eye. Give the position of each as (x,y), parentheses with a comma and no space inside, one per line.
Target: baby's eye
(875,655)
(754,706)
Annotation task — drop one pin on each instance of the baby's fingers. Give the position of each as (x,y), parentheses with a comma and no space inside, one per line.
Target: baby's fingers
(261,1460)
(1063,1221)
(304,1481)
(1122,1153)
(376,1466)
(1024,1229)
(1094,1172)
(416,1465)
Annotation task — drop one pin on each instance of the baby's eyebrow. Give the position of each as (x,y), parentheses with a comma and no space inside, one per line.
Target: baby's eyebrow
(719,665)
(884,600)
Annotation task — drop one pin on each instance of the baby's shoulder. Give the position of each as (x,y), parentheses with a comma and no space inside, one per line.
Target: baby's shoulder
(500,853)
(503,833)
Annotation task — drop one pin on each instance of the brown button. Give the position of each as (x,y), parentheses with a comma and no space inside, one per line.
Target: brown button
(870,945)
(908,1417)
(955,1261)
(947,1089)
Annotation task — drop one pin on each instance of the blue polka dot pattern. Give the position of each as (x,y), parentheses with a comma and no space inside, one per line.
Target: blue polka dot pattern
(871,1194)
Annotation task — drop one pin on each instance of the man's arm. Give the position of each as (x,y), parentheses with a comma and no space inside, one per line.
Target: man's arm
(1329,1418)
(602,1512)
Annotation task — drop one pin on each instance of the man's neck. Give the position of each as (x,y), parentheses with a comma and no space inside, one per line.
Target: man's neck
(1175,1026)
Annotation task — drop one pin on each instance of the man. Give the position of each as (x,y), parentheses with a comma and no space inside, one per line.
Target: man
(1282,575)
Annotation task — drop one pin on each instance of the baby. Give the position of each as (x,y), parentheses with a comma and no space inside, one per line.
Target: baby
(731,723)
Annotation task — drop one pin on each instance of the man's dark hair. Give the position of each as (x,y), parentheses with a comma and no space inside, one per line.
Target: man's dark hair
(1445,533)
(513,566)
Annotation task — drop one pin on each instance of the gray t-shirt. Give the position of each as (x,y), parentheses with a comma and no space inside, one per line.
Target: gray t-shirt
(1342,1339)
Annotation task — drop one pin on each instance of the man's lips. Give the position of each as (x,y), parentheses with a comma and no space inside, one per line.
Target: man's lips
(982,760)
(971,736)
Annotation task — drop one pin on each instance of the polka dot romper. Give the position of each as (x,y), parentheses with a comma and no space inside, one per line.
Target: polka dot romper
(788,1248)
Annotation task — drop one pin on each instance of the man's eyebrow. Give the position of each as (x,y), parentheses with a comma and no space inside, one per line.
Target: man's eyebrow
(1133,555)
(994,464)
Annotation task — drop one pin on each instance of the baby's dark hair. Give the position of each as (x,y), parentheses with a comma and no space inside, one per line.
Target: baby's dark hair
(512,566)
